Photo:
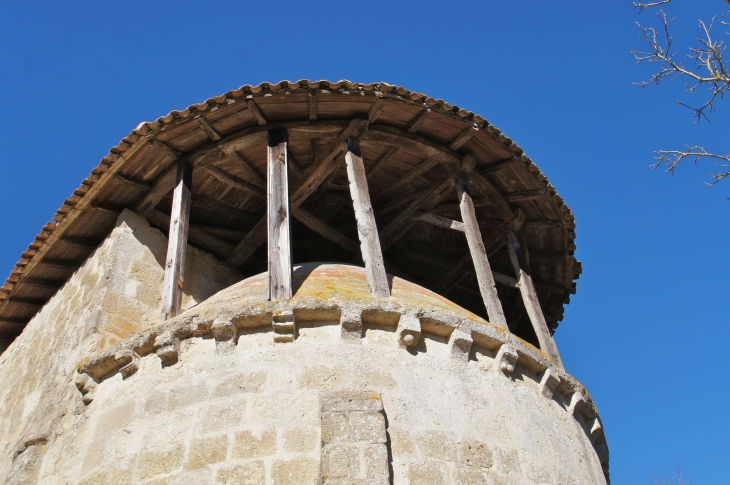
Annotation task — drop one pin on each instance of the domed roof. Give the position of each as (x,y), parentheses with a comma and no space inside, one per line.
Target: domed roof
(411,145)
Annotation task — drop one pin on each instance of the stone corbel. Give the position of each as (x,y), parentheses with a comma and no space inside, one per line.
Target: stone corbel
(506,360)
(409,331)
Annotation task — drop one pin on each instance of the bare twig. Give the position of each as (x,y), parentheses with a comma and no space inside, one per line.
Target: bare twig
(642,5)
(667,480)
(671,159)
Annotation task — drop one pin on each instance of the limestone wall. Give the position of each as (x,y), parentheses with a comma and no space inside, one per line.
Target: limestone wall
(113,295)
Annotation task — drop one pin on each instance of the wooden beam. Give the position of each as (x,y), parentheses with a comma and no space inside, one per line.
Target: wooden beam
(43,284)
(84,244)
(312,106)
(492,243)
(367,231)
(160,188)
(381,162)
(375,110)
(251,174)
(412,174)
(235,182)
(505,279)
(497,166)
(430,195)
(177,242)
(465,136)
(59,264)
(31,302)
(479,255)
(439,221)
(165,149)
(279,223)
(130,182)
(208,129)
(200,202)
(220,232)
(256,112)
(416,124)
(529,298)
(196,235)
(294,166)
(112,211)
(325,230)
(524,195)
(455,206)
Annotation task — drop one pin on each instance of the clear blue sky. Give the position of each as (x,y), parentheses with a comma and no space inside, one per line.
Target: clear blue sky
(647,331)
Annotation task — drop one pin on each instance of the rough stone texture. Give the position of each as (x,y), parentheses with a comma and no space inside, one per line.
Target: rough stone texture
(234,406)
(113,295)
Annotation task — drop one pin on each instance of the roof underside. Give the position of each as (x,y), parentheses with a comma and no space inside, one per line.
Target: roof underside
(412,143)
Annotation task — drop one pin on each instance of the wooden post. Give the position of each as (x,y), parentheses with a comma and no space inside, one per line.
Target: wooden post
(278,217)
(178,242)
(529,297)
(479,254)
(367,231)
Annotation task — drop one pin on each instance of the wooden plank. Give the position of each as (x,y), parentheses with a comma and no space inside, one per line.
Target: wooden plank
(221,233)
(177,242)
(529,298)
(325,230)
(43,284)
(313,106)
(278,216)
(439,221)
(383,160)
(235,182)
(367,231)
(256,112)
(492,243)
(412,174)
(200,202)
(403,222)
(465,136)
(416,124)
(84,244)
(160,188)
(294,166)
(208,129)
(524,195)
(112,211)
(60,264)
(30,302)
(479,255)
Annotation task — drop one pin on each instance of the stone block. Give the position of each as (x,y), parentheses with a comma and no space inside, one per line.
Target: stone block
(506,360)
(128,361)
(223,329)
(549,382)
(283,326)
(460,345)
(432,472)
(161,460)
(341,460)
(469,475)
(438,445)
(221,416)
(188,394)
(376,461)
(474,453)
(249,473)
(250,444)
(300,439)
(335,427)
(352,401)
(205,451)
(577,403)
(351,324)
(167,347)
(409,331)
(297,471)
(239,383)
(367,426)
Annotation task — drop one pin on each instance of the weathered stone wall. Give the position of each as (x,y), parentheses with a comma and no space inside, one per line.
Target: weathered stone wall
(113,295)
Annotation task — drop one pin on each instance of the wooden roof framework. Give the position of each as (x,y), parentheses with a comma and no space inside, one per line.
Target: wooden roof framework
(412,147)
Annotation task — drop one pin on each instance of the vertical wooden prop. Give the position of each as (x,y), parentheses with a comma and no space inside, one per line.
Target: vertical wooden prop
(367,231)
(178,242)
(532,304)
(278,218)
(479,254)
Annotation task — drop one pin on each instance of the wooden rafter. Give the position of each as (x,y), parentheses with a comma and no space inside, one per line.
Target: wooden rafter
(278,217)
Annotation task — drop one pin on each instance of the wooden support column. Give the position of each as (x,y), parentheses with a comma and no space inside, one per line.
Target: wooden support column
(278,217)
(367,231)
(529,297)
(479,254)
(177,242)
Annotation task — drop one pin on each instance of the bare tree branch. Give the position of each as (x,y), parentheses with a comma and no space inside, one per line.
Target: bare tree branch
(667,480)
(671,159)
(642,5)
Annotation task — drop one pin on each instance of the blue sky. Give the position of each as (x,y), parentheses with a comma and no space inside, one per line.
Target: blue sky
(646,331)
